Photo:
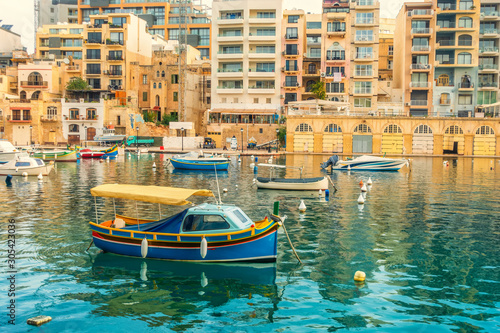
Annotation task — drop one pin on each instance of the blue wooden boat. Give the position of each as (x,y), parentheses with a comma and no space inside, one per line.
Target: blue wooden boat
(202,233)
(205,164)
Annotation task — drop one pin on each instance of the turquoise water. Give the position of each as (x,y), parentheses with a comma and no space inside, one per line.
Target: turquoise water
(426,238)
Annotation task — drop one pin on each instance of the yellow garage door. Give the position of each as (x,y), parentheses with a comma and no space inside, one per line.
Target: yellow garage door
(392,143)
(449,143)
(484,145)
(333,143)
(303,142)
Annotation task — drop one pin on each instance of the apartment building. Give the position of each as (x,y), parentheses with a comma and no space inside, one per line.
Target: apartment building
(436,61)
(54,11)
(489,42)
(246,53)
(163,17)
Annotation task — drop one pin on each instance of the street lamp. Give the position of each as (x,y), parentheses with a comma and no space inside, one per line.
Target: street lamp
(277,140)
(241,130)
(182,138)
(137,139)
(31,136)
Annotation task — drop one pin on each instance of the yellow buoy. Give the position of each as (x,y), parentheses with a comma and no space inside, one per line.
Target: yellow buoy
(359,276)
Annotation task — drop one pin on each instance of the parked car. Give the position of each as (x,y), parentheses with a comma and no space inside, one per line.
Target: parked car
(208,143)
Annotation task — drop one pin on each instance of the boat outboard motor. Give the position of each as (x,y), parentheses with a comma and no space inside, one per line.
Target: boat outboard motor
(332,161)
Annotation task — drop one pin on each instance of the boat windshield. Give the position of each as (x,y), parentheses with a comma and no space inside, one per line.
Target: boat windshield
(241,216)
(22,164)
(39,161)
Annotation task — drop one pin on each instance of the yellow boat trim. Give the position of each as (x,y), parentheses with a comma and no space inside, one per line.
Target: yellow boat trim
(154,194)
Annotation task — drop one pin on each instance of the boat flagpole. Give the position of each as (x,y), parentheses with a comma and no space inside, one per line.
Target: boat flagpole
(137,214)
(95,205)
(217,181)
(159,208)
(114,207)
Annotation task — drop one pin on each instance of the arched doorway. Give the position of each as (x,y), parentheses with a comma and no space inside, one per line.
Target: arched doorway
(423,140)
(35,79)
(303,139)
(392,140)
(362,139)
(453,140)
(91,133)
(35,96)
(333,141)
(22,95)
(484,141)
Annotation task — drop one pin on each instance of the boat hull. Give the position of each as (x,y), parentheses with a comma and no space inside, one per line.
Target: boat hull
(261,247)
(111,152)
(375,164)
(197,165)
(61,156)
(292,184)
(31,171)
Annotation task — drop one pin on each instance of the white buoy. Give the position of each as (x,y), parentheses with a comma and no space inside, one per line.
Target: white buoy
(154,165)
(152,154)
(320,192)
(25,174)
(348,168)
(144,247)
(369,181)
(361,200)
(252,157)
(252,165)
(236,186)
(363,188)
(302,206)
(107,159)
(40,176)
(224,190)
(203,247)
(239,160)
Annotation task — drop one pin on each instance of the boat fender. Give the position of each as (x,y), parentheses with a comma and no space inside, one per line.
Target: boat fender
(25,174)
(119,223)
(144,247)
(203,247)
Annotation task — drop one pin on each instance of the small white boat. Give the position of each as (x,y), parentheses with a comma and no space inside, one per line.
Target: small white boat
(107,135)
(291,184)
(366,163)
(24,164)
(7,151)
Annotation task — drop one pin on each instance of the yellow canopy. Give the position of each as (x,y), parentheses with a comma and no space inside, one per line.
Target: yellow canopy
(155,194)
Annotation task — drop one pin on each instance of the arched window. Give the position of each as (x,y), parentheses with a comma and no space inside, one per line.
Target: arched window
(454,129)
(423,129)
(162,73)
(157,100)
(22,95)
(154,85)
(445,99)
(443,80)
(35,95)
(465,22)
(304,128)
(312,68)
(362,128)
(157,73)
(485,130)
(465,82)
(35,79)
(464,58)
(465,40)
(392,129)
(335,52)
(159,85)
(333,128)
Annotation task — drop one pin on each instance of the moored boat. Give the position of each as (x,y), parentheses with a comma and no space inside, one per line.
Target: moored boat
(195,161)
(24,164)
(366,163)
(101,153)
(7,151)
(58,155)
(202,233)
(292,184)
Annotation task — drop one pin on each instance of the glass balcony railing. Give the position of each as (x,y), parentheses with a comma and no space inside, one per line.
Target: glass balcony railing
(488,66)
(489,49)
(488,84)
(488,31)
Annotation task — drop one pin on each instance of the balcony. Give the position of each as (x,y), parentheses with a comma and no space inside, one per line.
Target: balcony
(261,20)
(488,67)
(421,13)
(364,22)
(34,84)
(259,55)
(360,74)
(421,31)
(363,40)
(229,39)
(421,48)
(488,85)
(110,42)
(75,68)
(253,72)
(115,26)
(291,85)
(488,32)
(489,15)
(261,38)
(420,85)
(230,55)
(236,73)
(334,58)
(336,32)
(291,37)
(48,118)
(261,90)
(493,50)
(311,73)
(92,72)
(290,55)
(366,4)
(114,73)
(93,42)
(312,56)
(364,57)
(418,102)
(230,20)
(290,70)
(445,101)
(465,86)
(446,43)
(114,58)
(420,67)
(81,118)
(18,118)
(229,90)
(463,8)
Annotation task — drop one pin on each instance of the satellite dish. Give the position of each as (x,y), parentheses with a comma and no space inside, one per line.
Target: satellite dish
(66,61)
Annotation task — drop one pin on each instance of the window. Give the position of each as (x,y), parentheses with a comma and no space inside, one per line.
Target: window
(266,32)
(293,18)
(291,49)
(144,79)
(174,79)
(485,130)
(392,129)
(74,128)
(203,33)
(266,49)
(91,113)
(423,129)
(204,222)
(145,96)
(290,97)
(162,73)
(304,128)
(465,99)
(94,37)
(159,84)
(364,35)
(364,18)
(51,112)
(334,88)
(256,101)
(93,54)
(266,14)
(363,87)
(363,102)
(115,55)
(291,81)
(313,25)
(119,21)
(443,80)
(464,58)
(154,85)
(444,99)
(173,34)
(268,101)
(292,33)
(93,68)
(454,129)
(363,70)
(465,40)
(465,22)
(265,67)
(176,98)
(335,26)
(362,128)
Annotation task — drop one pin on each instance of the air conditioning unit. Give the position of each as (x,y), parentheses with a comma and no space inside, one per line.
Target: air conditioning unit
(323,74)
(298,84)
(282,69)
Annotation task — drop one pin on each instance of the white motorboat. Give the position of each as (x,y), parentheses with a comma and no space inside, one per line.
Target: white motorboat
(23,164)
(291,184)
(7,151)
(108,135)
(366,163)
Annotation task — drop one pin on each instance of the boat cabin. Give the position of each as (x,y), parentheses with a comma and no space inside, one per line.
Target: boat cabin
(6,146)
(214,218)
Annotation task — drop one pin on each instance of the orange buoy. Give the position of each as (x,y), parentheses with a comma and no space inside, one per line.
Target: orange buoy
(360,183)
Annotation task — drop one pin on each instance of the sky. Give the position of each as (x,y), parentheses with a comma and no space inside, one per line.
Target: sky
(20,13)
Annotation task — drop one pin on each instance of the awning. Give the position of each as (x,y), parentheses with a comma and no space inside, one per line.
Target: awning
(154,194)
